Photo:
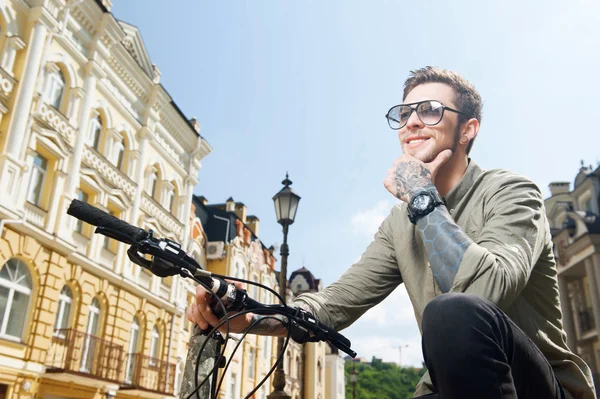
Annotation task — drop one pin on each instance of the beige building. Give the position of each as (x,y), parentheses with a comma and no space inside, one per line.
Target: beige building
(573,214)
(83,114)
(229,238)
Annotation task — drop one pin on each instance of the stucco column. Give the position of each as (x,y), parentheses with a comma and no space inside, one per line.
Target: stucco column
(567,312)
(83,119)
(24,96)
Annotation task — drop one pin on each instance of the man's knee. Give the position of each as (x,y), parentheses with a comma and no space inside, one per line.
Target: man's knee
(452,308)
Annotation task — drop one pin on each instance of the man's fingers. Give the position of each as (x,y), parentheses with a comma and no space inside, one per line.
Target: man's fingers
(198,319)
(441,159)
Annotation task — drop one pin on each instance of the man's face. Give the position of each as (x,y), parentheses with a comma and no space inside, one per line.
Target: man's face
(426,142)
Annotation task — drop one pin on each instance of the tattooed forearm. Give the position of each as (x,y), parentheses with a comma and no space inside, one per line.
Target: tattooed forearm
(411,176)
(445,244)
(269,325)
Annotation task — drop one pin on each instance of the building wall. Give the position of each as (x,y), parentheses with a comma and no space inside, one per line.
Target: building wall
(574,215)
(106,74)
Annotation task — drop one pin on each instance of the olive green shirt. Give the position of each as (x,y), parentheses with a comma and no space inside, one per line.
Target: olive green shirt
(510,263)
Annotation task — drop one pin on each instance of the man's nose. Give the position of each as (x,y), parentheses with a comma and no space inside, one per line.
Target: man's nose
(414,121)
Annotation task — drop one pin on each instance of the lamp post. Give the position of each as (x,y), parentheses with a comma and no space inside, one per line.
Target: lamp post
(286,204)
(353,380)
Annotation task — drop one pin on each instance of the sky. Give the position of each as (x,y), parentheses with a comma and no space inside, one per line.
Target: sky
(303,87)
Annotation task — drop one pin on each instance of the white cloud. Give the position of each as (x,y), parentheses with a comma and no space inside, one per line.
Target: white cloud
(366,222)
(384,328)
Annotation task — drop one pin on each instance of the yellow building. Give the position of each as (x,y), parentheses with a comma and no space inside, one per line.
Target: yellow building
(574,217)
(232,247)
(83,114)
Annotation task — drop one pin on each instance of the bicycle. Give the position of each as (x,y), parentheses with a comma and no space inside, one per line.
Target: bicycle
(169,259)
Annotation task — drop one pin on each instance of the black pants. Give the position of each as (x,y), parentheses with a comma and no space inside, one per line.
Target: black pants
(473,350)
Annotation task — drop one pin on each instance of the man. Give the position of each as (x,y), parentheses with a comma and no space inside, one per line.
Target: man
(473,249)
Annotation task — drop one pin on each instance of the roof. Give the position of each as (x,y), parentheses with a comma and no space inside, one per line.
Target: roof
(219,224)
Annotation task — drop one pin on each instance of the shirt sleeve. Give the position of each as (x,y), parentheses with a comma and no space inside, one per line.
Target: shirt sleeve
(362,286)
(498,264)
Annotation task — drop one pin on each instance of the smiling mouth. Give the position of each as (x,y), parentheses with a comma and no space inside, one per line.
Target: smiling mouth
(416,142)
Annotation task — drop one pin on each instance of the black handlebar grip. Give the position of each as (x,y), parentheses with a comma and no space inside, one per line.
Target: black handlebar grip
(96,217)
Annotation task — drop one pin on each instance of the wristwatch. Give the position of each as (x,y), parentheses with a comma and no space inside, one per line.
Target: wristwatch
(423,204)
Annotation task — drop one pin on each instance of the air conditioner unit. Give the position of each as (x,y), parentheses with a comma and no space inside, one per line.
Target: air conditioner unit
(215,250)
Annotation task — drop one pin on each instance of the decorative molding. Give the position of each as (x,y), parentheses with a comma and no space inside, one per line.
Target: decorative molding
(7,84)
(121,98)
(55,120)
(155,210)
(109,172)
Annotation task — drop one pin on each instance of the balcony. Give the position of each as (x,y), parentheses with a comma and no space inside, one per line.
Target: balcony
(155,210)
(109,172)
(148,374)
(35,215)
(7,84)
(75,352)
(56,121)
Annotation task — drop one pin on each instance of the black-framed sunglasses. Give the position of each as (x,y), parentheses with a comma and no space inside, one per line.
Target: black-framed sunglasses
(430,112)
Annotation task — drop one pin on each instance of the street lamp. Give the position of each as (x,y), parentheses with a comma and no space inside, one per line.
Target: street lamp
(286,204)
(353,380)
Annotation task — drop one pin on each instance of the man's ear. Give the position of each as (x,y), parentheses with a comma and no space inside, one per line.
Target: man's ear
(469,131)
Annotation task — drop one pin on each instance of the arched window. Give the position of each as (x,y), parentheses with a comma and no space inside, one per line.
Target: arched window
(170,202)
(297,371)
(91,336)
(119,152)
(55,88)
(15,294)
(132,350)
(154,346)
(152,185)
(95,132)
(63,317)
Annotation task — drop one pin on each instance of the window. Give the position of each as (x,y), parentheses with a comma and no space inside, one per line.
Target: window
(65,302)
(152,184)
(119,152)
(84,197)
(251,363)
(171,201)
(15,293)
(289,363)
(94,132)
(232,394)
(319,371)
(132,350)
(589,206)
(297,370)
(91,333)
(55,88)
(154,346)
(39,168)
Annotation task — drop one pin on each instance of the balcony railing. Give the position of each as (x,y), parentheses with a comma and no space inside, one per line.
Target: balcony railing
(7,84)
(57,122)
(75,352)
(34,214)
(148,373)
(108,171)
(586,321)
(155,210)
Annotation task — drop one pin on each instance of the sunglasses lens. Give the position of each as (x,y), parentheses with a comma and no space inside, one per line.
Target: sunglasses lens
(430,112)
(394,117)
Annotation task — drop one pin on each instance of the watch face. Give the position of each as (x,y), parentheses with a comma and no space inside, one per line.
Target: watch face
(421,202)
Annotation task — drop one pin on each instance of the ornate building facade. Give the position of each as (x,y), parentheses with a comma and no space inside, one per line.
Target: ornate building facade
(574,219)
(83,115)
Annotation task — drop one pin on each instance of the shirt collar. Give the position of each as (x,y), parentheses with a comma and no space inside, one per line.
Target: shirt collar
(466,182)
